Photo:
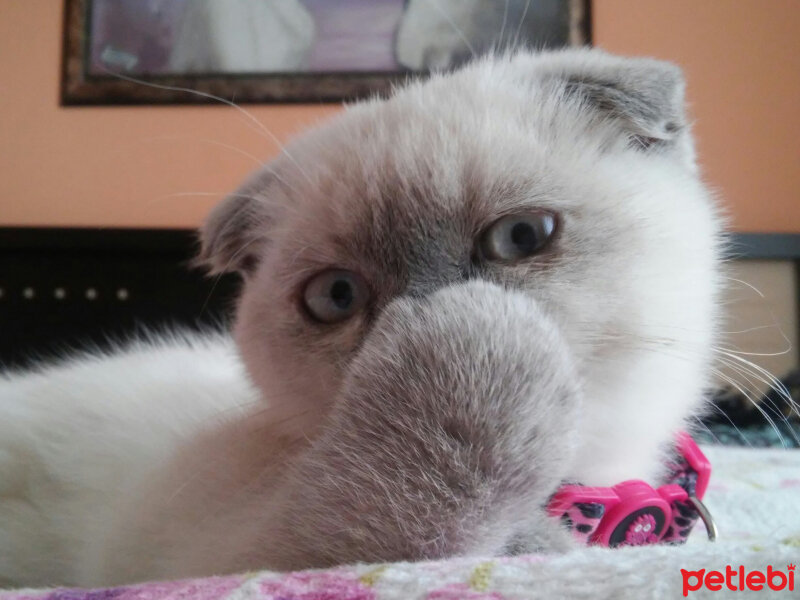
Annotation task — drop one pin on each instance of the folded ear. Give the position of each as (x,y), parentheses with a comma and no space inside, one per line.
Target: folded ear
(235,232)
(644,96)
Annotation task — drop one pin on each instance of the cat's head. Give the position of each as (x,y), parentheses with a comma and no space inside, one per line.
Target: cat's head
(569,176)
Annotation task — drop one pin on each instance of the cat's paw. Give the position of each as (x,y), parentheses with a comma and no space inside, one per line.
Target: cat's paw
(452,430)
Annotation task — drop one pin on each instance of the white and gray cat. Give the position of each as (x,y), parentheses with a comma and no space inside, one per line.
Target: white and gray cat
(454,299)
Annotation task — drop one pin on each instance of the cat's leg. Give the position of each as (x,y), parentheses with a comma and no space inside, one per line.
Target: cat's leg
(453,429)
(454,426)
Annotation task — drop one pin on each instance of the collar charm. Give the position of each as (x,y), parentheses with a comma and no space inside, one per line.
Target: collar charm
(633,513)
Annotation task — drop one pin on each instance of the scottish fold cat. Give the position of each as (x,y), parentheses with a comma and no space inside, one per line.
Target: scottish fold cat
(454,299)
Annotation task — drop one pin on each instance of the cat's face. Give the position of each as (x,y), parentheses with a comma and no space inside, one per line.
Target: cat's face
(567,176)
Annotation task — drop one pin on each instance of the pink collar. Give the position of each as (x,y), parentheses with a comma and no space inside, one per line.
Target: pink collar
(633,513)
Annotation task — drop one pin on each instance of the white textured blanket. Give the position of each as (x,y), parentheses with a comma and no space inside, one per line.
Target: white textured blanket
(754,496)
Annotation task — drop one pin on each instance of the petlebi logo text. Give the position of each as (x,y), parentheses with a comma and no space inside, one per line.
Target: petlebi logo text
(738,579)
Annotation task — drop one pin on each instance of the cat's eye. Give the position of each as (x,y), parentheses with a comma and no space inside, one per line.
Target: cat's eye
(515,237)
(335,295)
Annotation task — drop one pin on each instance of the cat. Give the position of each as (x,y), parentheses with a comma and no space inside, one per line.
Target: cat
(453,300)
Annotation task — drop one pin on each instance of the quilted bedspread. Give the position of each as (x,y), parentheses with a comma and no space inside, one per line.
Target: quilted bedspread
(754,496)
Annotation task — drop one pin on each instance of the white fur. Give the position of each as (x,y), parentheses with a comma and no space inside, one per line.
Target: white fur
(78,436)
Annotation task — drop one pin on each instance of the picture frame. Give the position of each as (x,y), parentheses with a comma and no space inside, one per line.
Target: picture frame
(97,72)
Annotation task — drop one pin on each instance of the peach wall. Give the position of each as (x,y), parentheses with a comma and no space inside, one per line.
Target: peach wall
(140,166)
(742,62)
(113,166)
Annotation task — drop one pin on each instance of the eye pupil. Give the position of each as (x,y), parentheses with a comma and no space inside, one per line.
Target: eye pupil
(518,236)
(523,235)
(334,295)
(341,294)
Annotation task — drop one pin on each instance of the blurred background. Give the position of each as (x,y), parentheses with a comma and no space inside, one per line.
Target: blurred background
(98,197)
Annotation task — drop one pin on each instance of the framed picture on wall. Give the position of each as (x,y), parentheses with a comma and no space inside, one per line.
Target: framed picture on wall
(141,51)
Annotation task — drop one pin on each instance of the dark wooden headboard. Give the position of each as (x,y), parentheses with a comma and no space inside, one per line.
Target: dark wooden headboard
(68,289)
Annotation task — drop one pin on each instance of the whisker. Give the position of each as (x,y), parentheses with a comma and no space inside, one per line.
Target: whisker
(740,353)
(751,286)
(210,194)
(724,414)
(747,373)
(765,377)
(268,134)
(751,329)
(701,425)
(755,405)
(766,401)
(503,27)
(455,27)
(522,20)
(258,162)
(743,368)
